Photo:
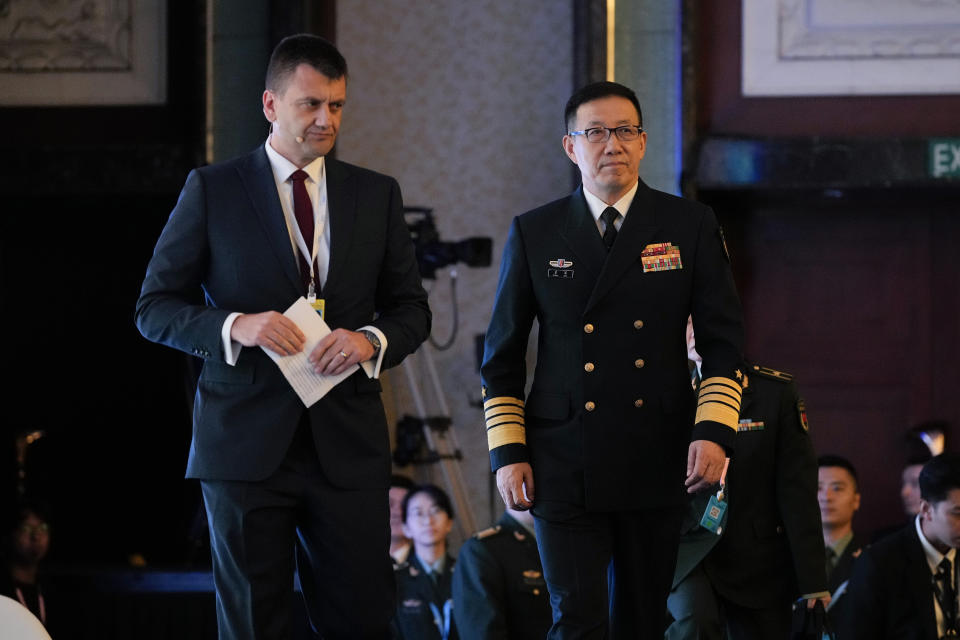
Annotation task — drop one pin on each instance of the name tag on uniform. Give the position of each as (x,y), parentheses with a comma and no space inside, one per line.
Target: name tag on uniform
(560,268)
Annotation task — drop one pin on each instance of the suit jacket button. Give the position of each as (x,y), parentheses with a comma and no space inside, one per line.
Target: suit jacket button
(588,328)
(638,324)
(588,367)
(638,363)
(638,402)
(590,406)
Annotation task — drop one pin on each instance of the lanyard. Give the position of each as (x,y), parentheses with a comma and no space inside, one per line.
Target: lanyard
(40,604)
(318,227)
(443,624)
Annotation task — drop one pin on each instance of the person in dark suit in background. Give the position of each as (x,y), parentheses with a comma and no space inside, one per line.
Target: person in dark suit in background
(498,588)
(424,581)
(606,443)
(904,587)
(400,544)
(838,493)
(740,584)
(253,235)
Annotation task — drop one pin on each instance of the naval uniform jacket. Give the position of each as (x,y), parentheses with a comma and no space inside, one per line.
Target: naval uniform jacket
(771,547)
(607,421)
(498,587)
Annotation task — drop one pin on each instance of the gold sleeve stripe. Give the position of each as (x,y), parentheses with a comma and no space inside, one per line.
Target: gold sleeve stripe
(506,434)
(733,401)
(716,412)
(492,402)
(502,410)
(492,422)
(721,400)
(718,383)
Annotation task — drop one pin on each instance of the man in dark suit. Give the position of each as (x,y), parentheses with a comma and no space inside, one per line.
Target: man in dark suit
(838,492)
(253,235)
(770,548)
(498,588)
(904,587)
(607,437)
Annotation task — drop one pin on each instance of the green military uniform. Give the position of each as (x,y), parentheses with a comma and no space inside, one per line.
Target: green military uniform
(770,550)
(424,604)
(498,588)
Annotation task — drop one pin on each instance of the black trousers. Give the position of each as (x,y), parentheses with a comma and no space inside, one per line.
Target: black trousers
(338,540)
(609,573)
(700,613)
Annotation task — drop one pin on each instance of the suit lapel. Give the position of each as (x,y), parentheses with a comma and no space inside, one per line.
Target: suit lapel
(638,229)
(341,208)
(257,177)
(580,233)
(920,582)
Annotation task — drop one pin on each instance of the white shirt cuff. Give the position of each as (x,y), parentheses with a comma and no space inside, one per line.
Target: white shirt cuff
(372,367)
(231,348)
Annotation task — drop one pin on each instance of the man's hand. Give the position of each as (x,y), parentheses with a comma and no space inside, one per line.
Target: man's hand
(340,350)
(515,482)
(705,460)
(270,330)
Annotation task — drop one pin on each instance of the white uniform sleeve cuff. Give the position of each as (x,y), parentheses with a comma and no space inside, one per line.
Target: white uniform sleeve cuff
(372,367)
(231,349)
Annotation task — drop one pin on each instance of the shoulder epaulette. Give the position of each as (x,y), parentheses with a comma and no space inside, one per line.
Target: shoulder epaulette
(773,374)
(486,533)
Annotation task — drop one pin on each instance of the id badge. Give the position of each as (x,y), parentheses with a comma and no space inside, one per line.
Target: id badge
(318,305)
(713,515)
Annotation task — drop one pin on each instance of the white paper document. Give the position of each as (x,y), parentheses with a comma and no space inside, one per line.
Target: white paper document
(298,371)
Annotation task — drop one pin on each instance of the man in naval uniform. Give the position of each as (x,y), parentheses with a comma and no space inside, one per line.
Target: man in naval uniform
(605,445)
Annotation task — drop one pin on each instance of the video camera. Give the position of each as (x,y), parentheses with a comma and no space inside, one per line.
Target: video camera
(433,253)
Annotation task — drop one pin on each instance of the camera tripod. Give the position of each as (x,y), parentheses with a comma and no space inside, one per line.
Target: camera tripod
(439,438)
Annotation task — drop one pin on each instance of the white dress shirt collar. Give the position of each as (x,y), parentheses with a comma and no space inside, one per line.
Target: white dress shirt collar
(596,205)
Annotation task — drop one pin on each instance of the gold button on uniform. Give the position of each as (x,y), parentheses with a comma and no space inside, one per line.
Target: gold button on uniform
(638,363)
(588,328)
(638,402)
(588,367)
(638,324)
(590,406)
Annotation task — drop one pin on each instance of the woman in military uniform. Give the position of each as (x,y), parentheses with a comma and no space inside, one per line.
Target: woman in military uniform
(424,596)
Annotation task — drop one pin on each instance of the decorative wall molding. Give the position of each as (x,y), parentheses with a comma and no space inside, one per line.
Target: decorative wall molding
(89,52)
(850,47)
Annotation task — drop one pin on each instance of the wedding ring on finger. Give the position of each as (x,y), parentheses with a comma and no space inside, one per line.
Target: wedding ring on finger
(344,355)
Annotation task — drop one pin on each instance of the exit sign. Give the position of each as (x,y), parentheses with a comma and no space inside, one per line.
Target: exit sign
(944,154)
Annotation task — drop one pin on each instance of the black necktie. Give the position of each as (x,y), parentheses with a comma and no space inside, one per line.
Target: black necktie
(609,230)
(303,211)
(831,555)
(946,595)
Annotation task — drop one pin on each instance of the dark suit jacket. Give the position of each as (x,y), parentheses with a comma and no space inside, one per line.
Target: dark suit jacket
(614,437)
(890,594)
(227,238)
(498,587)
(771,548)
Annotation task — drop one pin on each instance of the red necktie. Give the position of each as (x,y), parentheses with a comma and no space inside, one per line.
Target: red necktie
(303,210)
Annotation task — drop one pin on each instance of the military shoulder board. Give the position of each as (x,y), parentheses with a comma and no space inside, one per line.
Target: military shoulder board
(772,374)
(486,533)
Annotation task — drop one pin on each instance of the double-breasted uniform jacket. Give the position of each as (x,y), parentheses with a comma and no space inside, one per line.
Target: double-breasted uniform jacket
(498,587)
(770,550)
(890,592)
(227,240)
(424,606)
(607,421)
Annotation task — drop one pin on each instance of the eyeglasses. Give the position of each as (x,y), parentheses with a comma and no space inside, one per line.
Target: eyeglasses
(625,133)
(431,512)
